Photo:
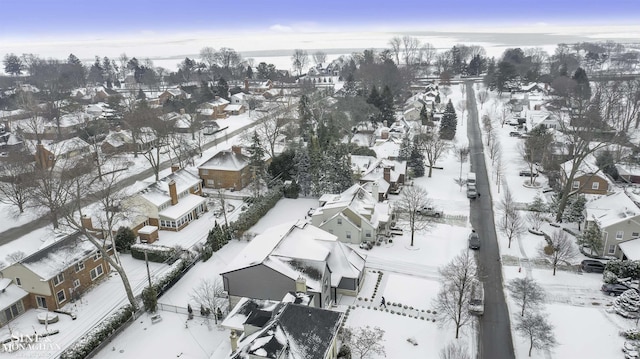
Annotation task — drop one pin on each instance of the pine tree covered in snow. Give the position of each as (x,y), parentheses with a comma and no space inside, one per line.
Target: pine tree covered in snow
(416,162)
(303,164)
(449,122)
(627,304)
(405,149)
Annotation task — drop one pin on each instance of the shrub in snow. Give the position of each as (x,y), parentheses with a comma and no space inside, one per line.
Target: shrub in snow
(155,253)
(632,333)
(627,304)
(150,299)
(624,269)
(83,346)
(609,277)
(258,209)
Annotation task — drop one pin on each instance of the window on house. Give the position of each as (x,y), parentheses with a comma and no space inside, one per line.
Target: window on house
(635,234)
(204,172)
(612,249)
(58,279)
(61,297)
(211,182)
(339,220)
(13,311)
(41,302)
(367,234)
(97,256)
(76,283)
(576,184)
(348,234)
(595,185)
(79,266)
(96,272)
(619,235)
(18,282)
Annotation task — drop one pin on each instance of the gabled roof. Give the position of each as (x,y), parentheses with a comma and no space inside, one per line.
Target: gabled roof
(298,249)
(241,312)
(586,168)
(226,160)
(49,261)
(158,192)
(295,332)
(357,200)
(10,293)
(611,209)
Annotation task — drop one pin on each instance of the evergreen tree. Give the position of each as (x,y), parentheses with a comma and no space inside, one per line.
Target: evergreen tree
(416,162)
(350,89)
(13,64)
(591,239)
(303,175)
(374,98)
(405,148)
(387,111)
(424,115)
(437,99)
(575,213)
(249,72)
(124,238)
(96,73)
(449,122)
(338,170)
(606,163)
(256,164)
(222,88)
(583,89)
(305,117)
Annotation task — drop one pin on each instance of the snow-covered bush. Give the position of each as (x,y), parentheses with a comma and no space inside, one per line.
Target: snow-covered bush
(609,277)
(624,269)
(632,333)
(257,210)
(83,346)
(155,253)
(627,304)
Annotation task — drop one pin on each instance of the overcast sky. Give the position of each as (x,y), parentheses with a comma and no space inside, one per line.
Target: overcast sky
(47,18)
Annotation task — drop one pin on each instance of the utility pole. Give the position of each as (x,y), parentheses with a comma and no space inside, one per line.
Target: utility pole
(146,260)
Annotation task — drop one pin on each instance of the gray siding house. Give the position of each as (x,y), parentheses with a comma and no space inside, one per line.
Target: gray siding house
(294,257)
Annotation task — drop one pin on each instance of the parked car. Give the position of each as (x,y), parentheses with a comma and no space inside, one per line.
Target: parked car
(474,240)
(514,134)
(527,173)
(472,193)
(431,212)
(614,289)
(366,245)
(591,265)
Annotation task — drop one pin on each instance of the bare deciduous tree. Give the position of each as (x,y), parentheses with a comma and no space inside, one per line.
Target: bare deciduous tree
(432,146)
(16,180)
(462,107)
(427,54)
(536,328)
(410,49)
(512,226)
(412,199)
(16,256)
(462,155)
(299,60)
(454,351)
(455,293)
(319,57)
(365,341)
(210,295)
(560,249)
(483,97)
(527,293)
(396,48)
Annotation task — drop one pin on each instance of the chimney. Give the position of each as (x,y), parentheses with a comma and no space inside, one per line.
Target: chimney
(173,193)
(174,168)
(234,340)
(86,222)
(301,285)
(182,112)
(387,174)
(374,191)
(236,149)
(384,134)
(246,84)
(41,156)
(118,128)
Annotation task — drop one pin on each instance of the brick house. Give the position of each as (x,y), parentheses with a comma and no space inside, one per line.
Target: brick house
(121,141)
(379,176)
(214,109)
(59,272)
(74,149)
(226,169)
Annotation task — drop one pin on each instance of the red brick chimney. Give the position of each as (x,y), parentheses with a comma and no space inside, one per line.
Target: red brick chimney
(173,192)
(236,149)
(174,168)
(246,84)
(387,174)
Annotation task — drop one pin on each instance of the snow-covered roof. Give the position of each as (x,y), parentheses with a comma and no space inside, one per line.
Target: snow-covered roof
(298,249)
(185,205)
(357,200)
(611,209)
(55,258)
(387,148)
(628,169)
(158,192)
(587,167)
(10,293)
(239,314)
(226,160)
(286,336)
(231,108)
(631,249)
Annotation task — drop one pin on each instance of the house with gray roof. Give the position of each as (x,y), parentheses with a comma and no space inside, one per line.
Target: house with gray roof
(295,256)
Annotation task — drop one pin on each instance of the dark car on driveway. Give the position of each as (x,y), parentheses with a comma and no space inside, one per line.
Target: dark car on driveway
(527,173)
(591,265)
(614,289)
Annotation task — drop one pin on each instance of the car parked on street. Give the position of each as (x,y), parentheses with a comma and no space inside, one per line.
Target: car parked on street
(514,134)
(472,193)
(474,240)
(527,173)
(592,266)
(614,290)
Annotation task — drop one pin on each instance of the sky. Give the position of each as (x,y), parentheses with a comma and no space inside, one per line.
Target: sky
(163,29)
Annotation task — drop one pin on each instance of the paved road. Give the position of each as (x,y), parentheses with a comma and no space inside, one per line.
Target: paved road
(495,334)
(19,231)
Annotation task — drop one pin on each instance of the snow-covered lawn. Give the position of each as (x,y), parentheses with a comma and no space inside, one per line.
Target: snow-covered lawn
(420,296)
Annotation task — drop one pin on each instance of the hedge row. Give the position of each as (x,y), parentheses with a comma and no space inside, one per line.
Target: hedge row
(624,269)
(155,253)
(82,347)
(257,210)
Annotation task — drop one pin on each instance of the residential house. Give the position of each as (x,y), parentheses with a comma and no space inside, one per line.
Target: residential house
(240,98)
(628,172)
(172,94)
(234,110)
(353,216)
(257,86)
(588,179)
(72,150)
(170,203)
(294,256)
(121,141)
(57,273)
(226,169)
(293,331)
(92,94)
(386,175)
(389,148)
(13,301)
(214,109)
(618,218)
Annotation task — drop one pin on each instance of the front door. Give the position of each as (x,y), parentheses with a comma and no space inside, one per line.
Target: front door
(41,302)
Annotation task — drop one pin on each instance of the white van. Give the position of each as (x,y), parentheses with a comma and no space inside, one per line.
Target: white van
(471,178)
(476,304)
